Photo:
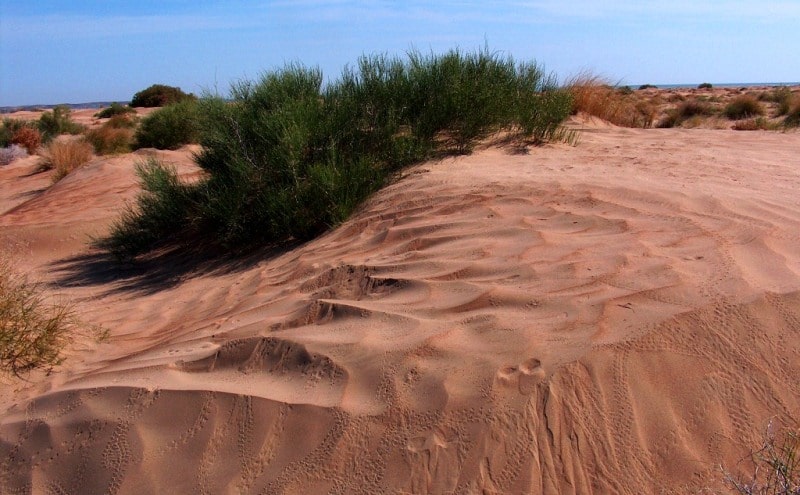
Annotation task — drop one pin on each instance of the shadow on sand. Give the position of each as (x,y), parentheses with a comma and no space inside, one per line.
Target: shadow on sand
(156,272)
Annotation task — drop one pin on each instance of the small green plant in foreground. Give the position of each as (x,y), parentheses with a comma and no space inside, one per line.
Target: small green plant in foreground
(774,468)
(33,333)
(287,157)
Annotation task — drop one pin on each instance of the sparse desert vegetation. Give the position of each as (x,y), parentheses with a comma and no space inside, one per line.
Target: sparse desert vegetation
(65,155)
(772,469)
(113,110)
(33,332)
(114,136)
(58,121)
(169,127)
(743,107)
(595,96)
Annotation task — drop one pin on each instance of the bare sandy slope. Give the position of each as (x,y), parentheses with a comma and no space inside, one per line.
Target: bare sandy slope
(622,316)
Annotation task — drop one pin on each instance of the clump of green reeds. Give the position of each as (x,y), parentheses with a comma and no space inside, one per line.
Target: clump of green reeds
(287,157)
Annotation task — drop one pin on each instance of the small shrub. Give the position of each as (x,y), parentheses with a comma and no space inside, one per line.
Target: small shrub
(32,333)
(11,153)
(793,115)
(686,110)
(169,127)
(64,156)
(9,127)
(624,90)
(122,121)
(57,122)
(113,110)
(705,85)
(774,467)
(743,107)
(27,137)
(647,86)
(757,124)
(108,139)
(159,95)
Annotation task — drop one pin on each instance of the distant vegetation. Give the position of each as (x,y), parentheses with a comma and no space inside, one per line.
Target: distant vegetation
(289,157)
(705,85)
(684,111)
(114,136)
(114,109)
(56,122)
(743,107)
(159,95)
(169,127)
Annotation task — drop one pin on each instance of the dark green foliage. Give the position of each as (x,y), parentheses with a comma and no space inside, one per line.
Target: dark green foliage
(114,109)
(743,107)
(170,127)
(287,158)
(159,216)
(56,122)
(648,86)
(159,95)
(705,85)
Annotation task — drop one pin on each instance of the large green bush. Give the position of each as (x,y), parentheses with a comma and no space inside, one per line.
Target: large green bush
(159,95)
(169,127)
(288,157)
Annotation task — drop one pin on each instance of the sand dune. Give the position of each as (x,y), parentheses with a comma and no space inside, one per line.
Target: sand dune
(621,316)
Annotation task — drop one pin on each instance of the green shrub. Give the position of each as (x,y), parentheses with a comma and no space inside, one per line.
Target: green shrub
(108,140)
(287,159)
(159,95)
(743,107)
(647,86)
(114,109)
(57,122)
(169,127)
(705,85)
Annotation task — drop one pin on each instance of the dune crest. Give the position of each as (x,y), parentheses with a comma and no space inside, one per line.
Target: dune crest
(617,317)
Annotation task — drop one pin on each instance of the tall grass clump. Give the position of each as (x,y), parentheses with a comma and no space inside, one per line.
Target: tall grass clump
(287,157)
(64,156)
(169,127)
(56,122)
(743,107)
(33,333)
(774,468)
(595,96)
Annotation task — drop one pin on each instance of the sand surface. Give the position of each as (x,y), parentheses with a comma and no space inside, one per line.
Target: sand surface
(622,316)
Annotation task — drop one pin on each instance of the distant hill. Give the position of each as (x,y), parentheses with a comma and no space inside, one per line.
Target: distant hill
(74,106)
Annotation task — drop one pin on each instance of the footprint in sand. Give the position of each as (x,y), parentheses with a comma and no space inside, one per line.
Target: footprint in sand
(524,376)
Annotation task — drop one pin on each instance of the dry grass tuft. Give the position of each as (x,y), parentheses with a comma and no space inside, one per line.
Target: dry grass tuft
(64,156)
(774,468)
(595,96)
(115,136)
(32,332)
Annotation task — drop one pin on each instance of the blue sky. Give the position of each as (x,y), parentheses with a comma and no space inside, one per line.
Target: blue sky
(71,51)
